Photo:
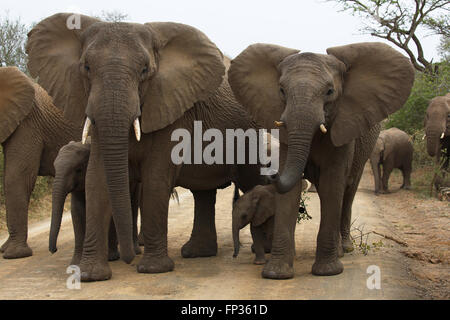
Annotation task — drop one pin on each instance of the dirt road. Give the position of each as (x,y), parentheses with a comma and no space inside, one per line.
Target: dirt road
(43,276)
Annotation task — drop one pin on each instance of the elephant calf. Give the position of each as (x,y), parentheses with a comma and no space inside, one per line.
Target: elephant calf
(32,130)
(256,207)
(70,172)
(393,149)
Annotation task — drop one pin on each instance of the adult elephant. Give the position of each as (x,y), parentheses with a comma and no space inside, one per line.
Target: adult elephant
(328,107)
(32,130)
(437,127)
(393,149)
(164,75)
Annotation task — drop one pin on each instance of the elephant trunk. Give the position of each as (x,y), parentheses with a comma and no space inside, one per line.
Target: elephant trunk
(113,145)
(236,229)
(300,131)
(59,194)
(433,143)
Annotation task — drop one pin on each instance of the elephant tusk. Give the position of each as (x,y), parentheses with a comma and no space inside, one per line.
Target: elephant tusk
(87,125)
(137,129)
(279,124)
(442,135)
(424,136)
(323,129)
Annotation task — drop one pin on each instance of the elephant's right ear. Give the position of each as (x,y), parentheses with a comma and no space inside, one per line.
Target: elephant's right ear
(54,51)
(16,99)
(190,69)
(265,207)
(254,79)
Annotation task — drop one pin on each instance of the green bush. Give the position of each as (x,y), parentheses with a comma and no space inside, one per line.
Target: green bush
(426,87)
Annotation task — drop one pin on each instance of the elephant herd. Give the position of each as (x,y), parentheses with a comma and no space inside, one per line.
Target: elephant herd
(394,148)
(129,86)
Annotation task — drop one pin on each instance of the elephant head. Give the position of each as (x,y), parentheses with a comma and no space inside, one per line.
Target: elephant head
(116,74)
(17,98)
(437,123)
(255,206)
(344,93)
(70,172)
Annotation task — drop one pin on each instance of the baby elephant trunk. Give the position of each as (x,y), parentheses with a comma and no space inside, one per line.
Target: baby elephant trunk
(236,228)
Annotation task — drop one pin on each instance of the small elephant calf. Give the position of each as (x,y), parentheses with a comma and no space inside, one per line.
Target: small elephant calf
(256,207)
(70,171)
(393,149)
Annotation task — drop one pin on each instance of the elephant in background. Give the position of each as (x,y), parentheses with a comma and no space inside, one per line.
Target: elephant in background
(70,172)
(437,128)
(32,130)
(256,207)
(393,150)
(137,84)
(328,108)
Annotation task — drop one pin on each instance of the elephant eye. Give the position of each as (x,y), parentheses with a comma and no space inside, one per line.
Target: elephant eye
(330,92)
(86,67)
(145,70)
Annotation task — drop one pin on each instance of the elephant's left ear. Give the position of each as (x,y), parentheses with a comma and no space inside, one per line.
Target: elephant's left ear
(190,69)
(377,83)
(16,99)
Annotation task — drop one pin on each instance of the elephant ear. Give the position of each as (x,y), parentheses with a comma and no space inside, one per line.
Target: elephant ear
(377,83)
(265,204)
(54,51)
(190,69)
(254,78)
(16,99)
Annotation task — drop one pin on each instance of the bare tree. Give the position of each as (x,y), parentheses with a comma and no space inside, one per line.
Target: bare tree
(399,22)
(13,35)
(113,16)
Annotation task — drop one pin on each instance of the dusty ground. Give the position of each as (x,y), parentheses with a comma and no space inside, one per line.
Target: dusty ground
(420,270)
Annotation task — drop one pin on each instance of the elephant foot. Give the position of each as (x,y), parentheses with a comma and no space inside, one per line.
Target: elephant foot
(407,187)
(17,251)
(155,264)
(347,245)
(276,269)
(199,248)
(259,261)
(327,269)
(95,272)
(137,249)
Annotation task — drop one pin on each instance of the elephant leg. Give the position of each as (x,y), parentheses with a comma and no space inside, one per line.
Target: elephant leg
(387,170)
(19,180)
(258,244)
(154,215)
(346,217)
(78,212)
(135,192)
(281,262)
(406,172)
(203,241)
(113,243)
(331,193)
(94,260)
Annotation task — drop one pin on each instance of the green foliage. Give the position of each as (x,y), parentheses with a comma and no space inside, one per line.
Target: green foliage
(13,35)
(302,211)
(426,86)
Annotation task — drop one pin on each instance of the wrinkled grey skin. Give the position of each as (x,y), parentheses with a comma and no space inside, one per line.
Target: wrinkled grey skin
(348,92)
(393,150)
(256,207)
(165,75)
(70,172)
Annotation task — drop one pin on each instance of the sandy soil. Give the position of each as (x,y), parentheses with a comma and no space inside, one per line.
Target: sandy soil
(417,271)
